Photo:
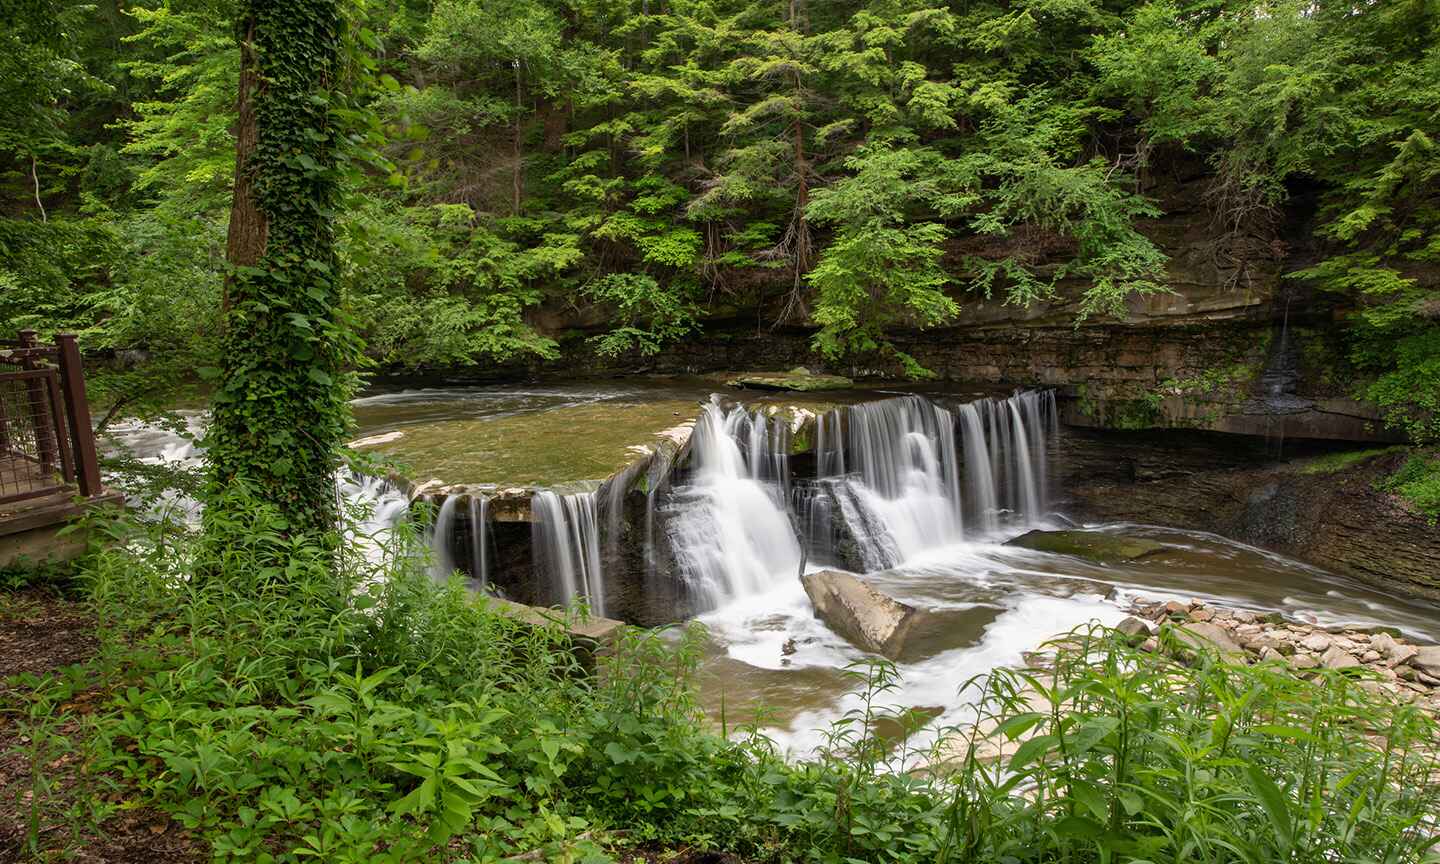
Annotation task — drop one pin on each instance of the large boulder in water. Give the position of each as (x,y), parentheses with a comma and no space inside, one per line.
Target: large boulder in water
(1091,545)
(870,620)
(799,379)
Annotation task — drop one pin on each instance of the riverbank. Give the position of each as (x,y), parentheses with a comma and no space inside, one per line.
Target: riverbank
(1384,661)
(139,733)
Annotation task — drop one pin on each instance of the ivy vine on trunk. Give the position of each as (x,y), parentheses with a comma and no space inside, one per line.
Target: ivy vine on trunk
(280,403)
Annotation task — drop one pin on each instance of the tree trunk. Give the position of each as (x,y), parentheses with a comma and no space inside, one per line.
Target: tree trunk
(245,240)
(517,173)
(279,411)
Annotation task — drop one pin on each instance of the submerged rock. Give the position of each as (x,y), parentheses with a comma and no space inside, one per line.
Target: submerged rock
(871,621)
(799,379)
(1090,545)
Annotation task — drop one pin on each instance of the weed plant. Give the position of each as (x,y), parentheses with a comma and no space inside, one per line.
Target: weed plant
(292,713)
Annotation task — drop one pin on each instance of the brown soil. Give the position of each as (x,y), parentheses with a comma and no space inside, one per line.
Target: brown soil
(44,814)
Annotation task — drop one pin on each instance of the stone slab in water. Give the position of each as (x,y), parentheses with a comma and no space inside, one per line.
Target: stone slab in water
(802,380)
(868,619)
(589,635)
(1090,545)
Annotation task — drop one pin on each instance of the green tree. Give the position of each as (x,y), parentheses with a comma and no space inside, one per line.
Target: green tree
(279,408)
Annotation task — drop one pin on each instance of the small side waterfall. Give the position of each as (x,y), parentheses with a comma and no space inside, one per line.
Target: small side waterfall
(442,538)
(374,506)
(480,539)
(731,534)
(1006,444)
(566,539)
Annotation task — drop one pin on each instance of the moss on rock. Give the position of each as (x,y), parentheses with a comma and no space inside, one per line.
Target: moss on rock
(1090,545)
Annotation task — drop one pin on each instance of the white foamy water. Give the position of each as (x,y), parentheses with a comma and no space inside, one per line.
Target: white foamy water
(755,632)
(732,536)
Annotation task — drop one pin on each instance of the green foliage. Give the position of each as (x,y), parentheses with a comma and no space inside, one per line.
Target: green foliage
(280,719)
(279,408)
(878,271)
(1418,483)
(652,315)
(854,166)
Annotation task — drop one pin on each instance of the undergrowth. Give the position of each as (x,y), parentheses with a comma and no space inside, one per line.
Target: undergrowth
(1333,463)
(1418,482)
(290,714)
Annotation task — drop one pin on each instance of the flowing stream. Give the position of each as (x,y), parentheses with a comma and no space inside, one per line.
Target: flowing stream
(918,492)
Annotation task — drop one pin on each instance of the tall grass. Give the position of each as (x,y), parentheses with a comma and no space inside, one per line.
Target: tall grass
(287,714)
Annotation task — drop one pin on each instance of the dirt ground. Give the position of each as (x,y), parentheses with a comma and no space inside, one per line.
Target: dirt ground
(45,813)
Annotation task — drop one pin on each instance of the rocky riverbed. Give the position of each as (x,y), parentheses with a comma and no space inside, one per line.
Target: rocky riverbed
(1391,664)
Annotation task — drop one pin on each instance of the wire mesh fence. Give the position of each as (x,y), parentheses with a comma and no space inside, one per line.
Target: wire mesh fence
(46,441)
(34,453)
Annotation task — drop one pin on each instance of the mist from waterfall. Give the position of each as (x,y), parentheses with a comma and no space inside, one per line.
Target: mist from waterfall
(566,545)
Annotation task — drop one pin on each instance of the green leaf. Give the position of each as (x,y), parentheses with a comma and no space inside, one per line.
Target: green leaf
(1032,749)
(1275,804)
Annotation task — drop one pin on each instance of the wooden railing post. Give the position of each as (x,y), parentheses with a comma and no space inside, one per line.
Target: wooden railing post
(77,413)
(45,430)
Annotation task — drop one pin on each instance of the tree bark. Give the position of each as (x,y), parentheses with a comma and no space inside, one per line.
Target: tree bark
(517,174)
(249,229)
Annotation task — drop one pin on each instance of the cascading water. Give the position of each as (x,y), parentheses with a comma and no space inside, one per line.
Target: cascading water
(480,538)
(902,494)
(566,540)
(894,480)
(377,506)
(1006,445)
(979,478)
(731,534)
(441,536)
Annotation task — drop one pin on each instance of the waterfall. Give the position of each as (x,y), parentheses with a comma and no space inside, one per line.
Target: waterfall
(373,506)
(979,474)
(1006,446)
(480,539)
(731,534)
(829,445)
(902,495)
(566,543)
(894,479)
(442,538)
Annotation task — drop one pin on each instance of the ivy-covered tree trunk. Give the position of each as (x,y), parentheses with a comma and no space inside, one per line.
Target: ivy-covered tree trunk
(280,405)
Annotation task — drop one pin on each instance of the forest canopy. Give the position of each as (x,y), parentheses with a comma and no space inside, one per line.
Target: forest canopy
(854,166)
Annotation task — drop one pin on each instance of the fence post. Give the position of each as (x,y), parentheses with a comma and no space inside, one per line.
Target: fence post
(77,412)
(45,430)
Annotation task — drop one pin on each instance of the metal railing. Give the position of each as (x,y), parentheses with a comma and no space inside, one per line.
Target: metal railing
(46,443)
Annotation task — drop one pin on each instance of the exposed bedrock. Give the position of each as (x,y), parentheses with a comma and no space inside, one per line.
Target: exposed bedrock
(1333,517)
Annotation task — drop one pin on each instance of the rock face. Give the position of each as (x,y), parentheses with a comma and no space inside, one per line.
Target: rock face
(1090,545)
(1339,520)
(870,620)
